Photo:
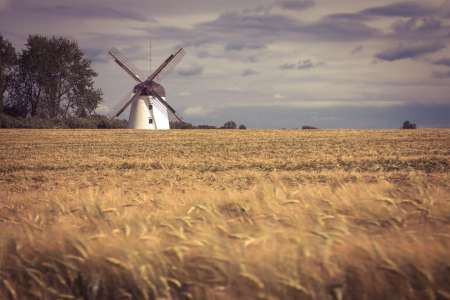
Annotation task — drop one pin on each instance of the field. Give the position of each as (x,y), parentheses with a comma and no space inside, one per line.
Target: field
(225,214)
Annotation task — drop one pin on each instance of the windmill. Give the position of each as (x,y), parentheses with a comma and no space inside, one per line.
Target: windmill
(149,109)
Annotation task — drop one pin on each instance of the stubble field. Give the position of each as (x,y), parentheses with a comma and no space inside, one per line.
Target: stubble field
(224,214)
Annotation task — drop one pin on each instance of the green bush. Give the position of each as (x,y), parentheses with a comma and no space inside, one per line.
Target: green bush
(70,122)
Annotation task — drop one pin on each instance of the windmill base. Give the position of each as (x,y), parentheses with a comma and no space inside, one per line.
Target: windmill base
(147,113)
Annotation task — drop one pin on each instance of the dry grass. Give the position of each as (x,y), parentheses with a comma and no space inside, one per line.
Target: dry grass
(223,214)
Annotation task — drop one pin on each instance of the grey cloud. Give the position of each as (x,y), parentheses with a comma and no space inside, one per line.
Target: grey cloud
(296,4)
(417,24)
(442,61)
(357,49)
(306,64)
(287,66)
(253,58)
(260,24)
(441,75)
(264,28)
(239,45)
(320,64)
(248,71)
(190,69)
(410,51)
(403,9)
(339,30)
(348,16)
(202,54)
(89,11)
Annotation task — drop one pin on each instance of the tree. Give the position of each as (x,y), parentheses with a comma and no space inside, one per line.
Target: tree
(229,125)
(53,79)
(242,127)
(206,127)
(8,59)
(181,125)
(408,125)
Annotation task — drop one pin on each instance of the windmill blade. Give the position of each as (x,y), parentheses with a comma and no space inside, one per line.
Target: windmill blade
(172,114)
(125,64)
(122,105)
(166,66)
(179,54)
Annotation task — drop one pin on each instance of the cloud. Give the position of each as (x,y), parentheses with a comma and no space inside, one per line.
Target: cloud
(441,75)
(185,94)
(248,71)
(102,109)
(403,9)
(278,96)
(287,66)
(4,4)
(306,64)
(202,54)
(417,24)
(296,4)
(442,61)
(196,111)
(239,45)
(190,69)
(357,49)
(410,51)
(91,11)
(339,30)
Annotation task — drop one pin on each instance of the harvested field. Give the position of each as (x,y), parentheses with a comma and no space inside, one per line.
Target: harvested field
(224,214)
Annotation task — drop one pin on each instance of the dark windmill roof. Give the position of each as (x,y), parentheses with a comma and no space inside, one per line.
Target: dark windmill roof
(159,89)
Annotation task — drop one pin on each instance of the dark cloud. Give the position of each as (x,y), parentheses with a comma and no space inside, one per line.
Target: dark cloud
(404,9)
(417,24)
(239,45)
(256,30)
(348,16)
(287,66)
(257,24)
(441,75)
(296,4)
(410,51)
(340,30)
(320,64)
(357,49)
(442,61)
(190,69)
(248,71)
(306,64)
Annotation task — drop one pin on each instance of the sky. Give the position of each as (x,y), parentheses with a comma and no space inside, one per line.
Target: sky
(267,64)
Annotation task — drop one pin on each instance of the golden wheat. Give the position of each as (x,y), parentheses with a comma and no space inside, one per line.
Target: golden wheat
(224,214)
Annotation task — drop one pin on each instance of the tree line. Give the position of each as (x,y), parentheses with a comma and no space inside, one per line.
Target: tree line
(185,125)
(49,78)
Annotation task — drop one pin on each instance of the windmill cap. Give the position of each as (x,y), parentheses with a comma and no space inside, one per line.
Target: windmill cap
(159,89)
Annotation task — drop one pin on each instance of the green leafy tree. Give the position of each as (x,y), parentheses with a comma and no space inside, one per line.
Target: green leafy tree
(181,125)
(229,125)
(242,127)
(408,125)
(53,79)
(8,59)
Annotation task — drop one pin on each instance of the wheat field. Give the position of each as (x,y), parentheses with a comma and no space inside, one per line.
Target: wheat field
(224,214)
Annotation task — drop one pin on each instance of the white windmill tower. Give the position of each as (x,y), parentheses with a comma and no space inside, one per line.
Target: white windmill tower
(149,109)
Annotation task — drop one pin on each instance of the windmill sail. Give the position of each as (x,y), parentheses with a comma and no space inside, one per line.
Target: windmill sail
(125,64)
(121,106)
(172,114)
